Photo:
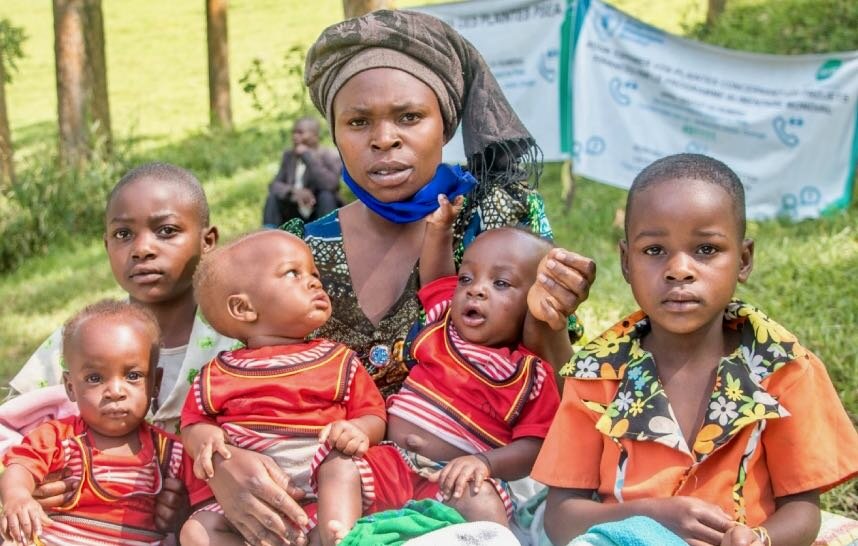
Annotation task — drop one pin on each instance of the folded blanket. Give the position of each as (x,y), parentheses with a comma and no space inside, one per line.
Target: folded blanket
(394,527)
(634,531)
(482,533)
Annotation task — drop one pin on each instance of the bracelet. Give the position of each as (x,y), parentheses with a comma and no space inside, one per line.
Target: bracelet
(488,464)
(762,534)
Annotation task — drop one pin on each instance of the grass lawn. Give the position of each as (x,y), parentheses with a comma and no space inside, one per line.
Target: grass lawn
(804,274)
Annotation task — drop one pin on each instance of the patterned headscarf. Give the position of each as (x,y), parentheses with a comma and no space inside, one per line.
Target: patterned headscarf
(498,146)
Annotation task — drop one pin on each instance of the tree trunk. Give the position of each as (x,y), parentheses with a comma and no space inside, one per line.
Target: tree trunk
(356,8)
(220,112)
(7,167)
(97,68)
(715,9)
(82,103)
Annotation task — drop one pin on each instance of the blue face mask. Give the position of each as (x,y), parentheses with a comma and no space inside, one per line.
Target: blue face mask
(451,181)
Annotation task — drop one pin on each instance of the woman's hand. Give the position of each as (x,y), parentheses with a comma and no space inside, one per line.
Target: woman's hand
(257,498)
(57,489)
(172,506)
(563,281)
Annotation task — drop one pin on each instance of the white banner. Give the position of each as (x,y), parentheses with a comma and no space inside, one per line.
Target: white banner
(521,41)
(785,124)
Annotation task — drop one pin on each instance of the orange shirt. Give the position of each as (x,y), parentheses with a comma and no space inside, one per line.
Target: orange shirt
(774,425)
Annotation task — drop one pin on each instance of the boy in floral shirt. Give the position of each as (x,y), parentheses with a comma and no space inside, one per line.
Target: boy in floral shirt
(698,411)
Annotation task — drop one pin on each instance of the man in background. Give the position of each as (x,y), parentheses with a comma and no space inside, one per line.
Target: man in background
(307,183)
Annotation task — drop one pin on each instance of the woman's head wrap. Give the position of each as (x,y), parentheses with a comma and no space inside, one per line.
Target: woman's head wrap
(497,144)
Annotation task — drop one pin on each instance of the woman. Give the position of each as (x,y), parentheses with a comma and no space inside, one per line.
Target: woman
(394,86)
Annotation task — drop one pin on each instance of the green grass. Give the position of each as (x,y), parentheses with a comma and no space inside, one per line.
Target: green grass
(804,273)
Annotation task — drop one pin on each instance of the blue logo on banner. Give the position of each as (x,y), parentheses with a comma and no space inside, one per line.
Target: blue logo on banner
(782,128)
(595,145)
(619,90)
(548,65)
(695,147)
(607,23)
(808,196)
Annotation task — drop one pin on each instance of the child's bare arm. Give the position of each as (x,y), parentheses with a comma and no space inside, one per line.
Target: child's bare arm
(354,436)
(570,512)
(552,346)
(510,462)
(22,516)
(436,254)
(794,523)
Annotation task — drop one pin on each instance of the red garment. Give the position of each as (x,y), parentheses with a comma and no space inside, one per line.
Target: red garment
(293,390)
(405,479)
(267,397)
(114,501)
(496,395)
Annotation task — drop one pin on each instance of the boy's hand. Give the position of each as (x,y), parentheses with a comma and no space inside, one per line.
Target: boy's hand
(741,535)
(444,216)
(22,519)
(563,281)
(454,477)
(215,443)
(695,521)
(345,437)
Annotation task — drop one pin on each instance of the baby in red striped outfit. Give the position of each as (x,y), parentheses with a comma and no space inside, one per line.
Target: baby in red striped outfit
(474,410)
(309,404)
(118,461)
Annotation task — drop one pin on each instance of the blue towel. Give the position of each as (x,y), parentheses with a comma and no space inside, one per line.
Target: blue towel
(634,531)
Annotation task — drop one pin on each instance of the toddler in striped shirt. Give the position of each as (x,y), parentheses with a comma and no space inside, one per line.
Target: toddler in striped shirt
(118,461)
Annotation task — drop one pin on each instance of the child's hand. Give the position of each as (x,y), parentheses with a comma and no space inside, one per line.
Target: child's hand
(741,535)
(216,443)
(22,519)
(345,437)
(454,477)
(444,216)
(695,521)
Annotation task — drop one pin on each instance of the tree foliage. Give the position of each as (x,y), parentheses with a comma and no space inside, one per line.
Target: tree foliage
(784,26)
(11,47)
(278,92)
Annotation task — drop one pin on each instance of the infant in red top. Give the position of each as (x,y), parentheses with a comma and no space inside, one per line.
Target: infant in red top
(310,405)
(117,461)
(473,412)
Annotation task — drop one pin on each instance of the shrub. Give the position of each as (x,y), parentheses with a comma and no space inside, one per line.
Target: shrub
(48,205)
(784,26)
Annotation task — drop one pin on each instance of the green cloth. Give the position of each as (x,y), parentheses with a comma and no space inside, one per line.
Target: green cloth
(394,527)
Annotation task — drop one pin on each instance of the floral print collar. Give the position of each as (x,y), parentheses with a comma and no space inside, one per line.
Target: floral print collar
(640,409)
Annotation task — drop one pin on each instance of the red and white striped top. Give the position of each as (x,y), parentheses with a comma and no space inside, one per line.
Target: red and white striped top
(114,498)
(496,364)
